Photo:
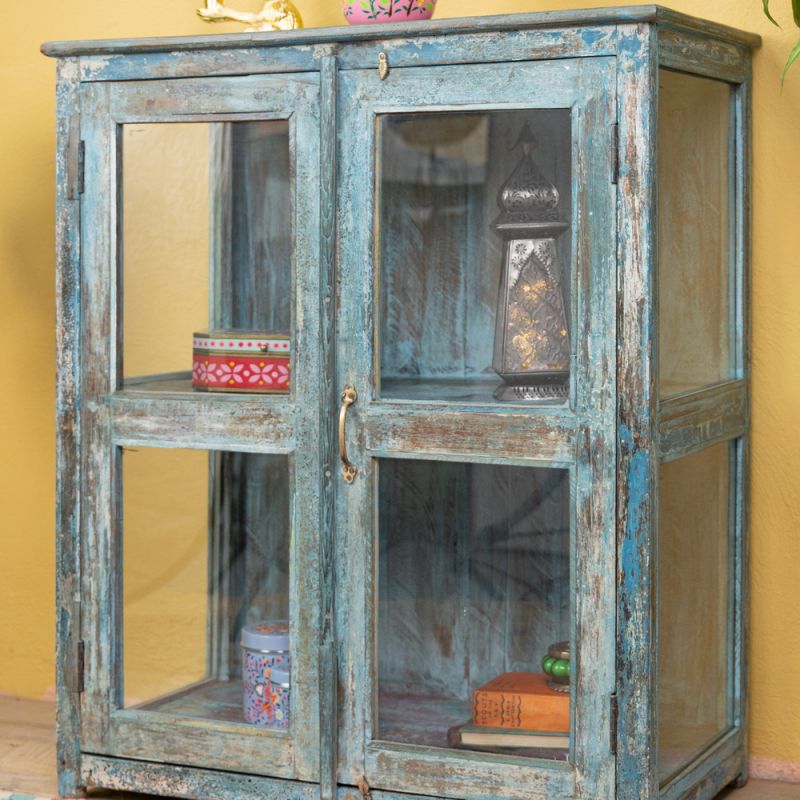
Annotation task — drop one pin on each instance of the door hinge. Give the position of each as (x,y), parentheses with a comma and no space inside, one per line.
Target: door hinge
(81,175)
(383,66)
(77,666)
(615,153)
(80,665)
(76,169)
(613,719)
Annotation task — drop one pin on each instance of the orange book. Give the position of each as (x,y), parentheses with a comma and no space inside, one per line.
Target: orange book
(521,700)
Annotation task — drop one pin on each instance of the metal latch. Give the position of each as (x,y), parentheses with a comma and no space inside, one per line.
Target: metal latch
(383,65)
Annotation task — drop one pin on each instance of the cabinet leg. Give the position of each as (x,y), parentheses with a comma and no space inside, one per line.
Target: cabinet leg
(69,776)
(69,785)
(740,781)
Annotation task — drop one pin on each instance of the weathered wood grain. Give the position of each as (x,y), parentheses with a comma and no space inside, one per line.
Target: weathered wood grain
(447,773)
(101,615)
(307,461)
(708,774)
(741,570)
(488,24)
(688,423)
(328,669)
(514,45)
(68,391)
(174,780)
(698,54)
(168,738)
(202,422)
(476,48)
(526,435)
(257,97)
(596,390)
(637,395)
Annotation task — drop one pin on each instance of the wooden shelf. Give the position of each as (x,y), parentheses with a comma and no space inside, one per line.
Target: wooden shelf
(211,699)
(423,720)
(477,389)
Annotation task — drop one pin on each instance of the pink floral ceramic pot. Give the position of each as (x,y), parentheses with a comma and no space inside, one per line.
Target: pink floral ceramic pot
(360,12)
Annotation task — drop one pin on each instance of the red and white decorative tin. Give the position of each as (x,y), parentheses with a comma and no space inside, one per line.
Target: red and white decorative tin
(239,361)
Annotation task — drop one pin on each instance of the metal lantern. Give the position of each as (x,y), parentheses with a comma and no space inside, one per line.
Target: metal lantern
(531,340)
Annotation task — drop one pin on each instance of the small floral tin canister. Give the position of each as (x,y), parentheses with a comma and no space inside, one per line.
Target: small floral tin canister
(265,649)
(237,361)
(281,696)
(361,12)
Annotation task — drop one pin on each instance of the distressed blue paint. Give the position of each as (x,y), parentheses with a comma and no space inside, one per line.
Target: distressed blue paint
(591,37)
(488,24)
(639,487)
(636,371)
(68,416)
(610,436)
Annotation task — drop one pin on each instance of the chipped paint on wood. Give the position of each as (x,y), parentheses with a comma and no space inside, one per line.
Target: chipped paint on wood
(535,438)
(202,423)
(637,394)
(704,778)
(328,397)
(345,35)
(741,538)
(688,423)
(700,55)
(198,784)
(68,422)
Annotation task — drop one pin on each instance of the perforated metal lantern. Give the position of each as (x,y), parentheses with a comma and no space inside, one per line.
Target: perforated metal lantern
(531,343)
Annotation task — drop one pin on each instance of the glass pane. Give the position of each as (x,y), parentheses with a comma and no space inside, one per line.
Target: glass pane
(694,605)
(207,240)
(205,556)
(693,232)
(474,588)
(475,255)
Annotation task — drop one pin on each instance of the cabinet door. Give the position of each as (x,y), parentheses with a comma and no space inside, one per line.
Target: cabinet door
(478,529)
(201,212)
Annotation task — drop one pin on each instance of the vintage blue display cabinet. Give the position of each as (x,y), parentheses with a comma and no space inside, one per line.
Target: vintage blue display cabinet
(508,260)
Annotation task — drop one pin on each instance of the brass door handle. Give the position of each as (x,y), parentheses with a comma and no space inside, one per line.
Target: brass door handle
(349,396)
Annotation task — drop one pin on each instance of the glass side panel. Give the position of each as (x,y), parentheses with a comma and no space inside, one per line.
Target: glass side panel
(694,605)
(694,196)
(206,240)
(206,538)
(475,248)
(474,588)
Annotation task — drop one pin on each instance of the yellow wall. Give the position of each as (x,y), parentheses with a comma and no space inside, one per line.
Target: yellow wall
(27,308)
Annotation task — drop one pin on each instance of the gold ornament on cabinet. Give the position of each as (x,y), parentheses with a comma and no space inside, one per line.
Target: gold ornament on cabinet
(276,15)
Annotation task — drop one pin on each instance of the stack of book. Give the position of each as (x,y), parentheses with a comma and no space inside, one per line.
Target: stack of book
(516,710)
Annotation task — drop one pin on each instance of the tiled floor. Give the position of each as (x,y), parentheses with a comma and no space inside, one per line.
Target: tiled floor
(27,756)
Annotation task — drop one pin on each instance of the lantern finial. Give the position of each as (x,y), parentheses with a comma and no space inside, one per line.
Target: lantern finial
(527,197)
